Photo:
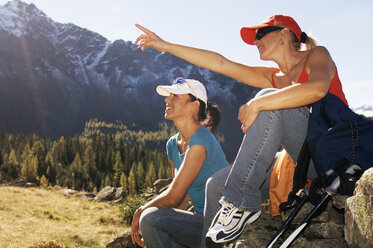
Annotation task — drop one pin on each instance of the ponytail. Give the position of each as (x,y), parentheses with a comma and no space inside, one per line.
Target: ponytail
(210,116)
(213,117)
(308,41)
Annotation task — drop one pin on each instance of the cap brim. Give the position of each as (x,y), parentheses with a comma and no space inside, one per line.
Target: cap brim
(248,34)
(166,90)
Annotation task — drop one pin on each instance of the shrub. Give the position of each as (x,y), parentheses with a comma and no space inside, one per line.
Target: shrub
(129,206)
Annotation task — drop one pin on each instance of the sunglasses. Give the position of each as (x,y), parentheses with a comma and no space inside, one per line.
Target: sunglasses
(266,30)
(181,80)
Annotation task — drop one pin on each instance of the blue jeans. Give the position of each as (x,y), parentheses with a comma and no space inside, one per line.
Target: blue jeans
(241,183)
(169,227)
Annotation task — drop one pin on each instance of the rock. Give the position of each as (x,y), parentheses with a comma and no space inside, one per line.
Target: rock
(307,207)
(123,240)
(339,201)
(324,231)
(106,194)
(110,194)
(68,192)
(87,196)
(160,184)
(327,230)
(359,213)
(30,185)
(120,194)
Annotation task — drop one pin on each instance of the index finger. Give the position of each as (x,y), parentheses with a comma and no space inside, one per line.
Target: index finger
(145,30)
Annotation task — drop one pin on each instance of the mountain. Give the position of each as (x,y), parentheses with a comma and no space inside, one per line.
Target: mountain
(55,77)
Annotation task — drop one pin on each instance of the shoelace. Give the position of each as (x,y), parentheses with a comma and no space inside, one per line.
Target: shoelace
(224,215)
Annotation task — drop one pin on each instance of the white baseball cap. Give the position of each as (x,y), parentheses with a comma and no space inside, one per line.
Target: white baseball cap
(184,86)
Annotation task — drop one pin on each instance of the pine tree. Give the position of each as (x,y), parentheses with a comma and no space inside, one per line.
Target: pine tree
(13,164)
(30,168)
(150,176)
(123,182)
(161,171)
(89,167)
(107,181)
(118,168)
(43,181)
(140,177)
(39,151)
(77,173)
(131,183)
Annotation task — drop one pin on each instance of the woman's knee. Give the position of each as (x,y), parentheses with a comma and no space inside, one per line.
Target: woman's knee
(149,218)
(217,181)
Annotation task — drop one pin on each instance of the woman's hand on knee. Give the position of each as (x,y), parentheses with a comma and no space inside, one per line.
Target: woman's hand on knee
(135,230)
(247,115)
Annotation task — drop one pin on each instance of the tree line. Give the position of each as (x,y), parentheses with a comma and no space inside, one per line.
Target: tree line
(105,154)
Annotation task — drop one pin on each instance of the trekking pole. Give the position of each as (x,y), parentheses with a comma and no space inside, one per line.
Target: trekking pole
(329,191)
(303,199)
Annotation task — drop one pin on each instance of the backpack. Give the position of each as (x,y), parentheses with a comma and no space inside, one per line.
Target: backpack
(337,138)
(337,133)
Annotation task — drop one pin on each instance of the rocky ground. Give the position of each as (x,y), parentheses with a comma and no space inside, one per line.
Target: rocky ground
(346,222)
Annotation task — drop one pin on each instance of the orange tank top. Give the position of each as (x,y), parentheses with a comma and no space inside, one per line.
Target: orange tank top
(335,83)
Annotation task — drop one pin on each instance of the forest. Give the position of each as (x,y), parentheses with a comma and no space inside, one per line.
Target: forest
(104,154)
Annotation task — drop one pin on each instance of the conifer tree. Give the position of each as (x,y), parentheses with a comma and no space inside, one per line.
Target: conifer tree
(123,182)
(29,168)
(107,181)
(77,173)
(161,171)
(89,167)
(43,181)
(118,168)
(131,183)
(150,176)
(39,151)
(140,177)
(13,164)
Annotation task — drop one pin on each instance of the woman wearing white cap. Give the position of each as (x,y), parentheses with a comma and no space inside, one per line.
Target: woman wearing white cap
(274,118)
(195,155)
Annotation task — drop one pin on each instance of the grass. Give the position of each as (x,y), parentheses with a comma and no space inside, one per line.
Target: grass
(32,215)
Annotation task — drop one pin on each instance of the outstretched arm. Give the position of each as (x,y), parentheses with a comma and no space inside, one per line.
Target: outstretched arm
(254,76)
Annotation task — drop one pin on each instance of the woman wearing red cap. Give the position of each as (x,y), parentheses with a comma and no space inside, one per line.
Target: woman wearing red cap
(195,155)
(276,117)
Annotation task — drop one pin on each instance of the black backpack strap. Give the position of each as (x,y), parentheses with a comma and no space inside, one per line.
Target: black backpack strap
(299,178)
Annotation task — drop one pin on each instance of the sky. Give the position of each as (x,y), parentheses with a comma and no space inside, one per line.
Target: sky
(342,26)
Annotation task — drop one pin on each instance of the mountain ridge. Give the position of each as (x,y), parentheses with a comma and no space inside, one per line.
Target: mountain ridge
(55,77)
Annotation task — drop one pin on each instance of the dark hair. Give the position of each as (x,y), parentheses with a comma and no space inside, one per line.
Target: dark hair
(309,41)
(212,112)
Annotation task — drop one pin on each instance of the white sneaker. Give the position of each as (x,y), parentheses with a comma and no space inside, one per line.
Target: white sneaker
(229,223)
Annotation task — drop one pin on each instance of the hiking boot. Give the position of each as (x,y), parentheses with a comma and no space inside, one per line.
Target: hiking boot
(229,223)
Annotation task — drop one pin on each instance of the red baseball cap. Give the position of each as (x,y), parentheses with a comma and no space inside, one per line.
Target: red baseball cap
(248,33)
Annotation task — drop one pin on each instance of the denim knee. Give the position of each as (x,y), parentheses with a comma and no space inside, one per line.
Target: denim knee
(148,218)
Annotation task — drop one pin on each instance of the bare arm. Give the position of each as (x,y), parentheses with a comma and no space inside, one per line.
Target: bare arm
(320,67)
(174,195)
(254,76)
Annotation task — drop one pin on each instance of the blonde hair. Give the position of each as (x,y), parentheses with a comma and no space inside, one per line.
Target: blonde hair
(309,44)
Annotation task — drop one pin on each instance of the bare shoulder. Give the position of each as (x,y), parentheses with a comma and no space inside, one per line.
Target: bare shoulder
(319,52)
(320,60)
(319,56)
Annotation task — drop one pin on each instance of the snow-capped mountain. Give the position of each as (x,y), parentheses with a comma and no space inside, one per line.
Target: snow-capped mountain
(54,77)
(365,110)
